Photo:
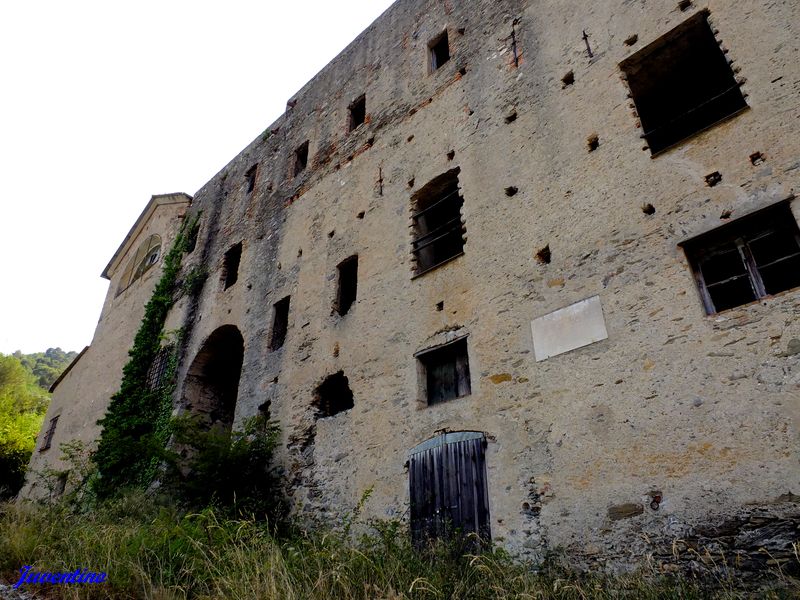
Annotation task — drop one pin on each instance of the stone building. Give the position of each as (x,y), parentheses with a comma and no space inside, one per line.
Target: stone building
(529,266)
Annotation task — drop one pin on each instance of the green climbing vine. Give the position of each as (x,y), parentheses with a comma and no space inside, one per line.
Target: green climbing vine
(137,424)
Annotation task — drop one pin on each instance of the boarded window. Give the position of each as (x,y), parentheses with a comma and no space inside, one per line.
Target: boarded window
(750,258)
(448,488)
(445,372)
(280,323)
(230,271)
(682,84)
(438,230)
(439,50)
(347,285)
(51,431)
(333,396)
(250,178)
(301,158)
(159,367)
(358,112)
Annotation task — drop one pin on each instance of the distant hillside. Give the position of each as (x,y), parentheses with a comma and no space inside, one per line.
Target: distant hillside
(46,366)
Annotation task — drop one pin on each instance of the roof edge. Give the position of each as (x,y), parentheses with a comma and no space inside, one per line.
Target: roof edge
(67,370)
(154,202)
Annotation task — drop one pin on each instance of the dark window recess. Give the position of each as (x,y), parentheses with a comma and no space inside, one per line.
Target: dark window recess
(301,158)
(51,431)
(230,269)
(347,287)
(438,230)
(682,83)
(358,112)
(333,396)
(61,484)
(750,258)
(250,178)
(448,490)
(446,372)
(280,323)
(439,51)
(159,367)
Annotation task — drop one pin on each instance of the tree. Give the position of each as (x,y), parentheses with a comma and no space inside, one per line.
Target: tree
(22,407)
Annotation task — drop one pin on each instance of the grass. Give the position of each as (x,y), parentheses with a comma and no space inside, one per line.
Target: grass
(154,551)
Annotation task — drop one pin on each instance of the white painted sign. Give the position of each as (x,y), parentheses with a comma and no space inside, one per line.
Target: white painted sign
(568,328)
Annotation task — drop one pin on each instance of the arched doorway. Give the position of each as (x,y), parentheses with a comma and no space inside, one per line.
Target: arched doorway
(212,383)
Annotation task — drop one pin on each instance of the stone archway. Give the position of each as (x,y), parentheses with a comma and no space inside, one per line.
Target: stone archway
(212,383)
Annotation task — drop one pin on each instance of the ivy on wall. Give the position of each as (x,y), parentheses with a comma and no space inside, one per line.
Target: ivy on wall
(136,426)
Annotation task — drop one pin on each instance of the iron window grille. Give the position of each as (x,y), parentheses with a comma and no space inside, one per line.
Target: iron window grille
(438,228)
(682,84)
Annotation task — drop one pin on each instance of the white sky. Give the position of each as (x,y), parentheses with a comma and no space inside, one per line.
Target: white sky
(104,103)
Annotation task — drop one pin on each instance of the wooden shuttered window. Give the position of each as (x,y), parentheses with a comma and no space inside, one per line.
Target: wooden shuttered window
(448,489)
(446,372)
(756,256)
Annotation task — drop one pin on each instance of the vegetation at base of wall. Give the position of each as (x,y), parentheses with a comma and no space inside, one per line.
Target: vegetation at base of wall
(136,425)
(150,549)
(230,470)
(23,404)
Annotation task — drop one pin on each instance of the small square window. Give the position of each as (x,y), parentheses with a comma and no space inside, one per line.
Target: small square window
(445,372)
(347,285)
(682,84)
(358,112)
(230,268)
(280,323)
(438,230)
(439,50)
(250,178)
(301,158)
(751,258)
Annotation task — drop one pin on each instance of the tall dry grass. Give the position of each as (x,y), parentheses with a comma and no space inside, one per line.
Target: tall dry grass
(155,552)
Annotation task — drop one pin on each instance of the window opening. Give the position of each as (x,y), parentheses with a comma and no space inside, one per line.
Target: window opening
(748,259)
(51,431)
(250,178)
(347,287)
(280,323)
(446,372)
(158,368)
(333,396)
(439,51)
(438,230)
(358,112)
(682,84)
(301,158)
(231,265)
(146,256)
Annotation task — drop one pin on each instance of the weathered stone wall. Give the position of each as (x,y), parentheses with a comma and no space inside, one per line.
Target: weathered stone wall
(83,395)
(699,411)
